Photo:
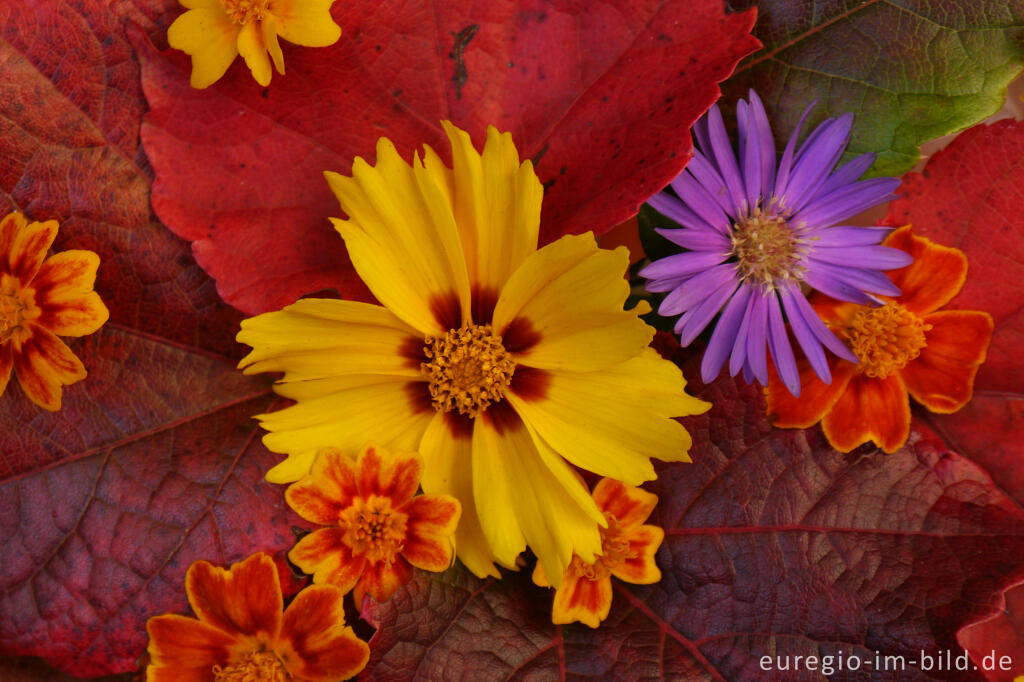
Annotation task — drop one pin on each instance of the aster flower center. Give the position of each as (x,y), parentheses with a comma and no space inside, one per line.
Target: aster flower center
(614,552)
(244,11)
(12,314)
(259,665)
(885,339)
(468,369)
(373,529)
(766,250)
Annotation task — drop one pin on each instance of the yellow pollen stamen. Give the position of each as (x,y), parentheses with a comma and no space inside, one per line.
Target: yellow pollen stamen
(885,339)
(259,666)
(614,552)
(468,369)
(244,11)
(373,529)
(766,250)
(11,316)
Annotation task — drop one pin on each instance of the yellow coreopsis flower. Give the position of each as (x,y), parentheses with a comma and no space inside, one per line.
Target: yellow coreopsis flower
(501,363)
(214,32)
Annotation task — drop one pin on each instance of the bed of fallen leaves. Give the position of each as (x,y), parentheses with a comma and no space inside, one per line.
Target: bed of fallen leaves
(776,544)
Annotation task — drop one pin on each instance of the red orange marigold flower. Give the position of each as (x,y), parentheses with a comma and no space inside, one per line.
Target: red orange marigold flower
(41,298)
(241,634)
(627,552)
(905,346)
(378,527)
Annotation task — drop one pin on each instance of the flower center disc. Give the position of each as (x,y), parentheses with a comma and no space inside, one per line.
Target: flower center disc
(258,666)
(11,316)
(766,250)
(885,339)
(468,369)
(244,11)
(614,552)
(373,529)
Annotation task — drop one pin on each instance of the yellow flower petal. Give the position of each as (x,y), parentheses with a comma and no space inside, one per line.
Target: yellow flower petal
(306,23)
(494,488)
(497,205)
(254,52)
(577,332)
(268,27)
(43,365)
(611,422)
(210,37)
(584,600)
(402,240)
(447,470)
(64,293)
(319,338)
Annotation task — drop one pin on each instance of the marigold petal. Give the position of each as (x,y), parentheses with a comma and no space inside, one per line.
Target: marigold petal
(245,598)
(497,205)
(329,488)
(254,52)
(64,293)
(615,438)
(11,226)
(43,365)
(315,643)
(268,28)
(576,333)
(816,397)
(429,540)
(177,674)
(402,239)
(447,469)
(210,37)
(178,642)
(870,409)
(319,338)
(628,504)
(639,567)
(395,476)
(6,364)
(379,412)
(380,579)
(583,600)
(942,377)
(27,250)
(325,555)
(306,23)
(933,279)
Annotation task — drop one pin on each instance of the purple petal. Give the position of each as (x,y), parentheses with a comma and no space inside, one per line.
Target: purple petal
(836,288)
(708,177)
(870,281)
(759,121)
(873,257)
(724,337)
(750,157)
(816,325)
(682,264)
(786,164)
(697,289)
(700,133)
(658,286)
(844,236)
(700,201)
(782,352)
(847,173)
(739,346)
(757,337)
(817,158)
(748,373)
(847,201)
(703,313)
(698,239)
(667,205)
(725,157)
(805,336)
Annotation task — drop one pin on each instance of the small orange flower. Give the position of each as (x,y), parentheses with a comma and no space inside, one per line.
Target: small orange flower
(242,636)
(627,552)
(40,299)
(378,529)
(904,346)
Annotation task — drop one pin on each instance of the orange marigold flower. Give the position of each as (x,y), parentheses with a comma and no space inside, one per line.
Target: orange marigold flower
(242,636)
(904,346)
(214,32)
(379,528)
(40,299)
(627,552)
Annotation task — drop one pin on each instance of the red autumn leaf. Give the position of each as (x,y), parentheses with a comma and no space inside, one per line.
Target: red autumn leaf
(996,645)
(600,93)
(776,545)
(153,461)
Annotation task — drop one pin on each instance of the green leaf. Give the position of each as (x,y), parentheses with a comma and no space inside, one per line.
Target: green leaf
(909,70)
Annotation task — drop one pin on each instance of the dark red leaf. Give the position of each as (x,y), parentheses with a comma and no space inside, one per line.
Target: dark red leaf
(996,645)
(600,93)
(154,460)
(776,545)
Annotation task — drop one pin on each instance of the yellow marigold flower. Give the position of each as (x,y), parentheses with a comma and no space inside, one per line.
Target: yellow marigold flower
(40,299)
(379,528)
(627,552)
(501,364)
(242,636)
(214,32)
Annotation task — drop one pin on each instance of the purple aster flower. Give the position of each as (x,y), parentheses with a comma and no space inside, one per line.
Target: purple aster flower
(757,237)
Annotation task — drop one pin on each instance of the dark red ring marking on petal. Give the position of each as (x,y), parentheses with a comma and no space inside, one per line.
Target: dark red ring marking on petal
(530,383)
(483,303)
(447,310)
(412,350)
(520,336)
(502,417)
(459,425)
(418,393)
